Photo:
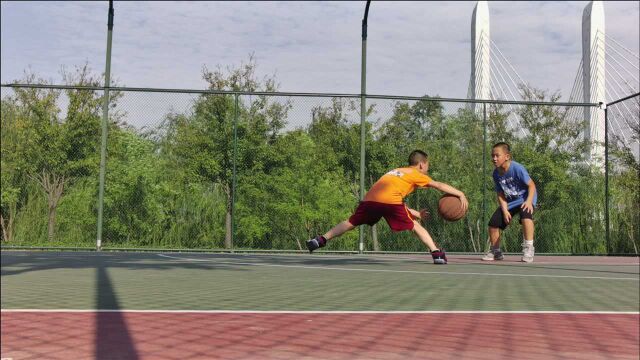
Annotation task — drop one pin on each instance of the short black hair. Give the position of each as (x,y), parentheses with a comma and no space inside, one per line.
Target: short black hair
(417,156)
(503,145)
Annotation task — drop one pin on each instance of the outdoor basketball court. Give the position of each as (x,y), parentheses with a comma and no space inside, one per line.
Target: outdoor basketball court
(123,305)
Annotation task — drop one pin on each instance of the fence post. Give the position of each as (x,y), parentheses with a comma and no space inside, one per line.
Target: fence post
(606,178)
(363,109)
(484,173)
(105,124)
(234,180)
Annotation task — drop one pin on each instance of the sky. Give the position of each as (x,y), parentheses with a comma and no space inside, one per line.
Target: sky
(413,48)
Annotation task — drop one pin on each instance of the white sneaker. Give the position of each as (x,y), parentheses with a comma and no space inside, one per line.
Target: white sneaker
(527,253)
(492,255)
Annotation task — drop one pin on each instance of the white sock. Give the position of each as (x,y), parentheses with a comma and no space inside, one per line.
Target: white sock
(528,243)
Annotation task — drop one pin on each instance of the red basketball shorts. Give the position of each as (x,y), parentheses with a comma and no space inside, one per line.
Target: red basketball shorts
(370,212)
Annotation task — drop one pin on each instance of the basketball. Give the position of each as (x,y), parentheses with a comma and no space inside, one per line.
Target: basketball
(450,208)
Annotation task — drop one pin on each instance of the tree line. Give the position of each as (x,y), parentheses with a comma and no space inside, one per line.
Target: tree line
(173,186)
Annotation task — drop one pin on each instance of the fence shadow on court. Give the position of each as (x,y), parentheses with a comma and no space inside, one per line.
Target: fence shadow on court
(112,336)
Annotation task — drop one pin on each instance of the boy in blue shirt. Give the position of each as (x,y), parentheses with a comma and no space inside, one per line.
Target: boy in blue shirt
(516,195)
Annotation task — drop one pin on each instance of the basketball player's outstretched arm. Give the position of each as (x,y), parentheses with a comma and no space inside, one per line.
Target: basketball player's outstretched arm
(446,188)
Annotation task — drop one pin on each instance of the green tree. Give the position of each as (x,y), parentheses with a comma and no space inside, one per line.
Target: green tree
(203,142)
(300,194)
(45,147)
(39,142)
(624,172)
(12,138)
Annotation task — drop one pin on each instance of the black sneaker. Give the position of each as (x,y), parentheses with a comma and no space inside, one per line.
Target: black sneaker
(439,257)
(315,243)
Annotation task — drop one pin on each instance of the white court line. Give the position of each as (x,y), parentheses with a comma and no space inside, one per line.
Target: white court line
(561,263)
(323,312)
(459,259)
(399,271)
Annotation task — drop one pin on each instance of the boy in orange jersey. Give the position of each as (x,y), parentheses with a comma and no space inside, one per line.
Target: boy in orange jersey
(386,199)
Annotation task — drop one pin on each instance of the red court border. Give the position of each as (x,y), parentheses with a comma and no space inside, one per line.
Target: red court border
(309,335)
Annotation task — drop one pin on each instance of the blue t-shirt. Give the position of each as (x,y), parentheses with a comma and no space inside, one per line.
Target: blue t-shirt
(513,183)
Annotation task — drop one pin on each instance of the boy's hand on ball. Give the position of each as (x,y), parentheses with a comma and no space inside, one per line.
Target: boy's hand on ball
(465,203)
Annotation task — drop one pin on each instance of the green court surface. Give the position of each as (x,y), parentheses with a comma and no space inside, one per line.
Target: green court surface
(319,282)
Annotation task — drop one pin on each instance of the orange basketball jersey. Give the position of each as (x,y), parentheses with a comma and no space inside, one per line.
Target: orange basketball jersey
(395,185)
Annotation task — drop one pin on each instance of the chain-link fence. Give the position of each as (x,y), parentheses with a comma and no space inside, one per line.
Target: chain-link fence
(623,184)
(267,171)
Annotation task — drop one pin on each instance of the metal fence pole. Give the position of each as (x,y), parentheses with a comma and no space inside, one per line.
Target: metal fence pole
(234,181)
(606,179)
(105,123)
(484,173)
(363,109)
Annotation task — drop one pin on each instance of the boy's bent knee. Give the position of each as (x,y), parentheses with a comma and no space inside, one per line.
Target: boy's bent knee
(418,228)
(527,222)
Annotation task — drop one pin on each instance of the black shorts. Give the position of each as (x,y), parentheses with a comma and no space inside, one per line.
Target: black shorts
(497,220)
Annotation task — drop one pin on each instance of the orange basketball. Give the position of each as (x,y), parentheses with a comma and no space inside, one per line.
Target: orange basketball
(450,208)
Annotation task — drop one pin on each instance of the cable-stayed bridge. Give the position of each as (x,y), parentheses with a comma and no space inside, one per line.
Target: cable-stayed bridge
(607,71)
